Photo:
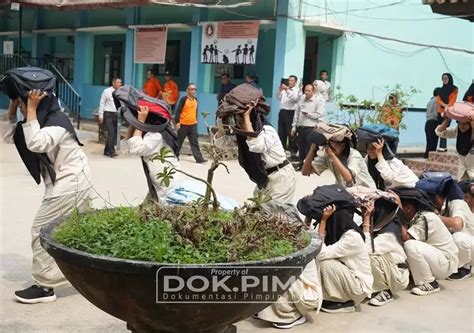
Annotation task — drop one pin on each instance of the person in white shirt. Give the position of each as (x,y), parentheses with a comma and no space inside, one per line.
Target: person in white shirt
(345,163)
(464,135)
(346,274)
(385,169)
(147,145)
(430,249)
(47,137)
(108,115)
(281,182)
(309,110)
(456,216)
(288,95)
(324,76)
(385,248)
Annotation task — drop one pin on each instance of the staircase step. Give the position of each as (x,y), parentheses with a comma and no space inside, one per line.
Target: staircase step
(448,158)
(418,166)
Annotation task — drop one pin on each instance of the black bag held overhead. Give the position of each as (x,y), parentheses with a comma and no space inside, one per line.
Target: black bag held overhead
(313,205)
(19,81)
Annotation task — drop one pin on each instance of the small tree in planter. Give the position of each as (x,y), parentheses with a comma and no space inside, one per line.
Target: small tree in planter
(356,113)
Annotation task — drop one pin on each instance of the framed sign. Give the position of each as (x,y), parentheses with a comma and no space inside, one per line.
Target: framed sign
(150,45)
(229,42)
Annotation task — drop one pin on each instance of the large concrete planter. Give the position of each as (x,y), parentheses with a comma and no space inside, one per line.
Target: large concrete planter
(127,289)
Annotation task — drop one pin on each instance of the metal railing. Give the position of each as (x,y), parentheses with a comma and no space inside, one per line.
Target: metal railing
(68,96)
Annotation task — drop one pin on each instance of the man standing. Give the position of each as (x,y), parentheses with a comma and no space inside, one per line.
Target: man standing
(108,114)
(226,87)
(170,91)
(324,76)
(309,110)
(288,96)
(152,85)
(186,119)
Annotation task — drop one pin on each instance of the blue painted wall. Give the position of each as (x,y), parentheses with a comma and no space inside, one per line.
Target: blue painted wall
(361,65)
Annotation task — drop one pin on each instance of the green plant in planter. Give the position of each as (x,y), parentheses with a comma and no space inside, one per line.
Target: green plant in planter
(356,112)
(187,234)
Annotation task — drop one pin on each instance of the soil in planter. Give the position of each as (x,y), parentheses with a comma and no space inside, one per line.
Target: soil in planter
(183,234)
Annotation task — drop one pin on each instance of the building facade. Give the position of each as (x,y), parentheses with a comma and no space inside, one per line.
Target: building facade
(364,45)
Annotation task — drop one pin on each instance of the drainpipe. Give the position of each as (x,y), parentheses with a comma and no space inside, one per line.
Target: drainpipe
(20,19)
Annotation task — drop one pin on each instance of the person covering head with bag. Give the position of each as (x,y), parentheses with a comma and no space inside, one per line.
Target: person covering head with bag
(48,145)
(430,249)
(261,154)
(344,263)
(383,238)
(464,135)
(384,167)
(345,163)
(149,131)
(457,216)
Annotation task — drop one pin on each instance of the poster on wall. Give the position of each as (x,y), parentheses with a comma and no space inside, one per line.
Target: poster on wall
(229,42)
(150,45)
(8,47)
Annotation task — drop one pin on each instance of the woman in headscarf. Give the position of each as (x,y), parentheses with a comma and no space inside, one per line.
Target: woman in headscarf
(138,142)
(383,237)
(261,153)
(464,135)
(447,97)
(430,249)
(469,95)
(457,217)
(49,147)
(386,170)
(345,163)
(346,275)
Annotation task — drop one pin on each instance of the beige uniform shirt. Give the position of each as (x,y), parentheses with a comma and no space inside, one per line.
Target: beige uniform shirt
(68,159)
(395,173)
(460,208)
(438,236)
(351,250)
(386,243)
(147,147)
(355,163)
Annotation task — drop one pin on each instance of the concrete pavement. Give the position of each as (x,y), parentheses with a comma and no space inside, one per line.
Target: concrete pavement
(121,182)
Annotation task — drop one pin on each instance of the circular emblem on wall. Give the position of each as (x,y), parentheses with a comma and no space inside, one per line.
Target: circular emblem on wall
(210,29)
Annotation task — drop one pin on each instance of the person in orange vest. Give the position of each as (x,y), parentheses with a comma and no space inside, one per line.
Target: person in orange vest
(152,85)
(170,91)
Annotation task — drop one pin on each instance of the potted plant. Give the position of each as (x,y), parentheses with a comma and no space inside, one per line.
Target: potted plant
(181,268)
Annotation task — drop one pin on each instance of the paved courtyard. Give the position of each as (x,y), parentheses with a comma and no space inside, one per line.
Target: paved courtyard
(121,182)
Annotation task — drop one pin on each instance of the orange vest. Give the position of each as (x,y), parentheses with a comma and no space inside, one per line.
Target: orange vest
(188,114)
(152,87)
(170,92)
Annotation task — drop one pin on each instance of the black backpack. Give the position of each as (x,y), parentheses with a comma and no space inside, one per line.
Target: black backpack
(313,205)
(17,82)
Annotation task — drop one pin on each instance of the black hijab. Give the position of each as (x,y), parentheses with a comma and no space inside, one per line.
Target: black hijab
(341,221)
(469,93)
(385,209)
(447,89)
(251,162)
(464,142)
(48,114)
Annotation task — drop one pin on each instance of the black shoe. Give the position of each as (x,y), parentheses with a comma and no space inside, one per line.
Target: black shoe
(201,161)
(298,167)
(111,155)
(35,294)
(338,307)
(461,274)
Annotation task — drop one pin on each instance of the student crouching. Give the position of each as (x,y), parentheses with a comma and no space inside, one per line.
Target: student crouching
(430,249)
(448,199)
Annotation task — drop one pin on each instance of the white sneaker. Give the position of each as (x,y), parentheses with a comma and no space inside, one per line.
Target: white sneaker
(426,289)
(299,321)
(382,298)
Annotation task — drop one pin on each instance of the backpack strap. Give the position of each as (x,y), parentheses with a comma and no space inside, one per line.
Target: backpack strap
(143,126)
